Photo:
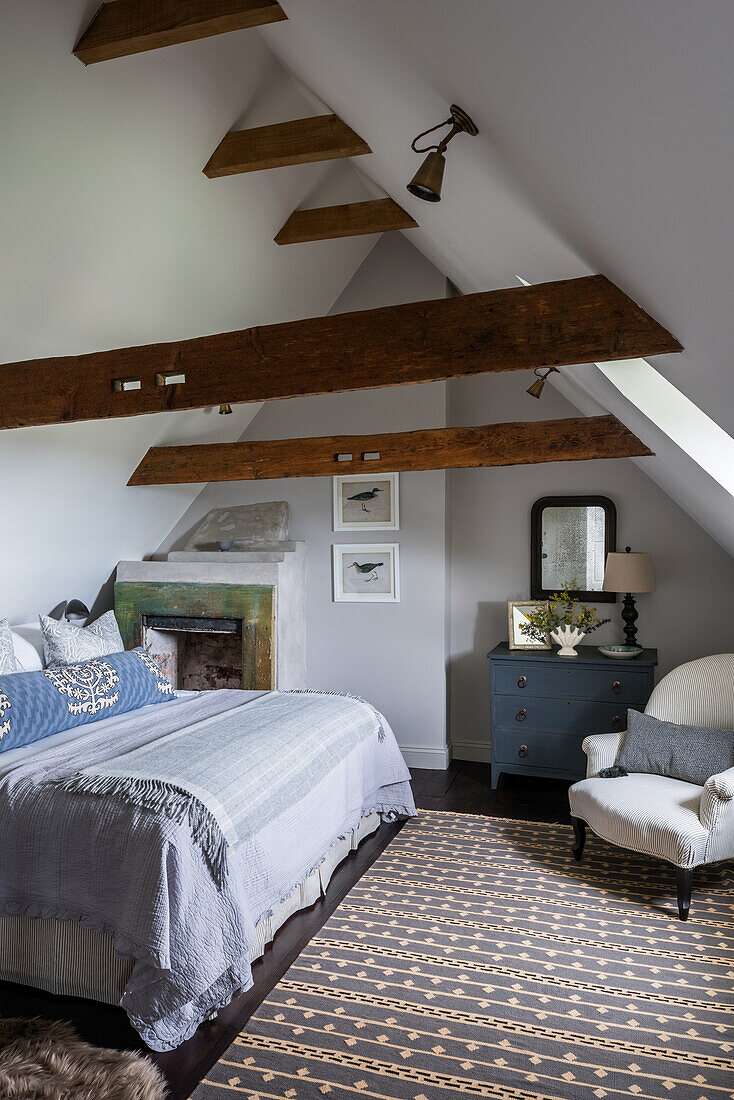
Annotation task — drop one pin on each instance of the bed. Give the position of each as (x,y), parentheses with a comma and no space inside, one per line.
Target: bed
(113,889)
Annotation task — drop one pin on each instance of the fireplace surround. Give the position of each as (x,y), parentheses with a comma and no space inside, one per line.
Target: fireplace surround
(203,635)
(216,618)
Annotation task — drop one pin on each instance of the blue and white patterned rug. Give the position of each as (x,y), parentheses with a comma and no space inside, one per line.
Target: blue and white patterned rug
(475,956)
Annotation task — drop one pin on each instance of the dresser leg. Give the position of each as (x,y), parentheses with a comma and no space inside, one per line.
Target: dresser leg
(684,882)
(495,777)
(579,832)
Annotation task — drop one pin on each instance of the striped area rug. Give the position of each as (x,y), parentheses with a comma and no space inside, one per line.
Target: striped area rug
(475,956)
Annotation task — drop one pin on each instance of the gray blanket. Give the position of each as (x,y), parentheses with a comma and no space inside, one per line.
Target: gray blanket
(281,778)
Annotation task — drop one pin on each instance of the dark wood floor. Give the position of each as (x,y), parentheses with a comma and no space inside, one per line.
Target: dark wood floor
(463,788)
(466,788)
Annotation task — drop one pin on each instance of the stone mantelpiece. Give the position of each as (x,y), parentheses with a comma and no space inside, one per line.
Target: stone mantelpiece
(231,556)
(284,571)
(264,526)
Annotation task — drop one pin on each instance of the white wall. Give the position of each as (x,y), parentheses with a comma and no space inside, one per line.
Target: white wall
(392,654)
(112,237)
(464,542)
(685,618)
(70,515)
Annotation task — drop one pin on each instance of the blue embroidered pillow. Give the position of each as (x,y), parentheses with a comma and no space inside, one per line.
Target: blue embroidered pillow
(34,705)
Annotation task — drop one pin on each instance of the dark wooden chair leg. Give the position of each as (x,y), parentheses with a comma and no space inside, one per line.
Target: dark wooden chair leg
(579,832)
(684,882)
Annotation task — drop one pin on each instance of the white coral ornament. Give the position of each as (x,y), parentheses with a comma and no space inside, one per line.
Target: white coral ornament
(567,637)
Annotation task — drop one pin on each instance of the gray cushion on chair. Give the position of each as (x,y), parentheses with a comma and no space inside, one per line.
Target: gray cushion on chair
(691,753)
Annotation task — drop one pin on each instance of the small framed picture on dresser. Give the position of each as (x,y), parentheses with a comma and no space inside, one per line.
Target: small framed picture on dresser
(517,617)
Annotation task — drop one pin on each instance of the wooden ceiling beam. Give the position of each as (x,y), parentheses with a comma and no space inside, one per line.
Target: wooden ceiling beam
(353,219)
(125,27)
(303,141)
(514,444)
(550,324)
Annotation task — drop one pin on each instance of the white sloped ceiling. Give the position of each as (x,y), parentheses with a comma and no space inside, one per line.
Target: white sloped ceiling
(606,144)
(112,236)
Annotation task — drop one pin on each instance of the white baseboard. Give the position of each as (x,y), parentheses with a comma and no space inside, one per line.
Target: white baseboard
(472,750)
(424,757)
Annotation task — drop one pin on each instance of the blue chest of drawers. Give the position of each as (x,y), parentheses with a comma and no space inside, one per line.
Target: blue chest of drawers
(544,705)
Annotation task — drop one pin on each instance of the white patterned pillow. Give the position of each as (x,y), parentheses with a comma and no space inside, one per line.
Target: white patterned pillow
(67,644)
(8,660)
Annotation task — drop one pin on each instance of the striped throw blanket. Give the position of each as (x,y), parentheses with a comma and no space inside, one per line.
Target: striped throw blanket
(233,773)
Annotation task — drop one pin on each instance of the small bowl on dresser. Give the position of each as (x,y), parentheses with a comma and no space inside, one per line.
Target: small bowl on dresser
(620,652)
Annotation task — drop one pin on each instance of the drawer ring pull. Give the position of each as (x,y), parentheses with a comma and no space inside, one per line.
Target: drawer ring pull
(616,721)
(521,715)
(616,687)
(522,682)
(522,751)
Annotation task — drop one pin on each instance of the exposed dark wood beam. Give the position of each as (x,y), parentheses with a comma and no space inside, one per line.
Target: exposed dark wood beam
(324,137)
(514,444)
(125,27)
(350,220)
(549,324)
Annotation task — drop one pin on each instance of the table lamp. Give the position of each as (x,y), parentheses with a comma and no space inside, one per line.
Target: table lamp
(627,573)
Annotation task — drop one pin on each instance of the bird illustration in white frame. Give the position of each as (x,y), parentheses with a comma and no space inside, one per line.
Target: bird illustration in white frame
(368,569)
(368,494)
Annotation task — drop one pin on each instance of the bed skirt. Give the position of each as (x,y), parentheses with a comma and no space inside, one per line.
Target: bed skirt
(64,958)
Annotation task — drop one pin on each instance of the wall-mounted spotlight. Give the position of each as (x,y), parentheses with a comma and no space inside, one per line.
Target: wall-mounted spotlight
(537,387)
(426,183)
(225,410)
(76,612)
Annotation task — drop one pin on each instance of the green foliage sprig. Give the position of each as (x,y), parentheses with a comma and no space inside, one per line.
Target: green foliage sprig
(563,609)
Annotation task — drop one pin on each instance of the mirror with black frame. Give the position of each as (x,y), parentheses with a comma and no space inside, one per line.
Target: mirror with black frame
(570,538)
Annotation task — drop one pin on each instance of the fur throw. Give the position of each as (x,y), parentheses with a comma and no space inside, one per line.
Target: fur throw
(46,1060)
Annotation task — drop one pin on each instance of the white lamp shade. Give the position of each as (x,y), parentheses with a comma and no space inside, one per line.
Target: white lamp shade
(629,573)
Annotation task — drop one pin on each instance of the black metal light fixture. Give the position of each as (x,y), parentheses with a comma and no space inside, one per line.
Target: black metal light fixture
(537,387)
(426,183)
(76,612)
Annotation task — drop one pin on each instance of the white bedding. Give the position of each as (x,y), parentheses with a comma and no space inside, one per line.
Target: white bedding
(28,646)
(143,880)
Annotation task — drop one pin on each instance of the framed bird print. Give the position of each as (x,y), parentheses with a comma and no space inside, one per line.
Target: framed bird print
(367,572)
(366,502)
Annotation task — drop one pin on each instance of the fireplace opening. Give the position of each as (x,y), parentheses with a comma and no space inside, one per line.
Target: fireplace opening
(196,654)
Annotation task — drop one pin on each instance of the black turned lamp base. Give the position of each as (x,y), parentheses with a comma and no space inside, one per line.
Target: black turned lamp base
(629,615)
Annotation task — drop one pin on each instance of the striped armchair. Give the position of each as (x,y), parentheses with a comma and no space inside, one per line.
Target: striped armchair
(680,822)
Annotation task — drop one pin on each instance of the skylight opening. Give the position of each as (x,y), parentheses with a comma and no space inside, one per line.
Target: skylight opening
(661,402)
(688,426)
